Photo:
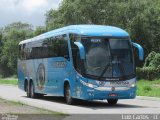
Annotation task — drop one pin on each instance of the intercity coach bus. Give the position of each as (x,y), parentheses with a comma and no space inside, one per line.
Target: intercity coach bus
(88,62)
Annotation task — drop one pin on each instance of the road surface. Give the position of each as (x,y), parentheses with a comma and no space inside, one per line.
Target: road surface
(133,106)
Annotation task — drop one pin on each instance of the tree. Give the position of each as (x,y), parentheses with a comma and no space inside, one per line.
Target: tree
(12,35)
(39,30)
(139,17)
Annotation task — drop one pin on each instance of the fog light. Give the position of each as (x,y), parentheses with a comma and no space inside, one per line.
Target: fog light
(132,94)
(90,93)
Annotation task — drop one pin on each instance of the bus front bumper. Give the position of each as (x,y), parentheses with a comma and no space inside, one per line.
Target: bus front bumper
(101,93)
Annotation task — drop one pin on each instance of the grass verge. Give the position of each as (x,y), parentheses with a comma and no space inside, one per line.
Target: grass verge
(12,107)
(148,88)
(10,81)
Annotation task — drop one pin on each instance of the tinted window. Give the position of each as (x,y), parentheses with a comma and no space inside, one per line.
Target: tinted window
(50,47)
(57,46)
(75,52)
(22,51)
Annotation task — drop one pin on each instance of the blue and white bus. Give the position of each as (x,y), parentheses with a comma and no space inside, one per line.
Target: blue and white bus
(88,62)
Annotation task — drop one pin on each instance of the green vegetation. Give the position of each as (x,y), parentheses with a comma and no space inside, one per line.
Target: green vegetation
(148,88)
(151,68)
(11,35)
(139,17)
(11,102)
(10,81)
(12,107)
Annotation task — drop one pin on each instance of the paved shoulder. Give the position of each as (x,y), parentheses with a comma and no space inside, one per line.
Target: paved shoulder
(132,106)
(148,98)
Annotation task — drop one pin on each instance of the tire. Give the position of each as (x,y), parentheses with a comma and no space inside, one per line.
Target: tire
(27,90)
(32,91)
(38,95)
(112,101)
(68,96)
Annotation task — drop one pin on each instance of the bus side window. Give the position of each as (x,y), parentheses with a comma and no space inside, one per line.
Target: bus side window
(65,51)
(63,47)
(23,52)
(75,54)
(51,47)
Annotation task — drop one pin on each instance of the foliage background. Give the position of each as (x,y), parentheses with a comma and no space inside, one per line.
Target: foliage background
(141,18)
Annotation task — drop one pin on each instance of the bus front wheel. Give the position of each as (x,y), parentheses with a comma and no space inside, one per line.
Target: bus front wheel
(68,96)
(112,101)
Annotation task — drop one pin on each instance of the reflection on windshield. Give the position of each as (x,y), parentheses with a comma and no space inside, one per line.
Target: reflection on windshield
(108,58)
(97,57)
(122,61)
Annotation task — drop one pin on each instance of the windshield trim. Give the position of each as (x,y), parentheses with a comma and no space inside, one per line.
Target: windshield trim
(127,77)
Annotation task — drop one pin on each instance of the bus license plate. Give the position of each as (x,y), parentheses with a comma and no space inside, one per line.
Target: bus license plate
(113,95)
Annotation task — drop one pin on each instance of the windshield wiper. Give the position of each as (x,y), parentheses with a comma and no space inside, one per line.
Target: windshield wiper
(121,68)
(106,67)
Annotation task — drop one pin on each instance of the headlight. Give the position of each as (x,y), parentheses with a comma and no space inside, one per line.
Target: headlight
(90,85)
(133,85)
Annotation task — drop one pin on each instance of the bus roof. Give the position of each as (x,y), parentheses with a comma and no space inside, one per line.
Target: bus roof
(84,30)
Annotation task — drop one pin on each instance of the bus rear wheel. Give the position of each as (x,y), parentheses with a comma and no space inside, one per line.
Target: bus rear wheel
(68,96)
(27,89)
(112,101)
(32,92)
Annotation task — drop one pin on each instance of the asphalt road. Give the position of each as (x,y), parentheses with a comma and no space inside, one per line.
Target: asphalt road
(133,106)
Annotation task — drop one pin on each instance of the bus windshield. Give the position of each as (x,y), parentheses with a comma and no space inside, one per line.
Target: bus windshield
(108,58)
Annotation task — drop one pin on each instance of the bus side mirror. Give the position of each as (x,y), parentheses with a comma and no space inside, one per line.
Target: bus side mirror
(140,51)
(81,49)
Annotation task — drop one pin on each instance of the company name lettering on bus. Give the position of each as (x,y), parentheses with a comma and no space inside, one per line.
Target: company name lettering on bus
(112,78)
(96,40)
(59,64)
(120,83)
